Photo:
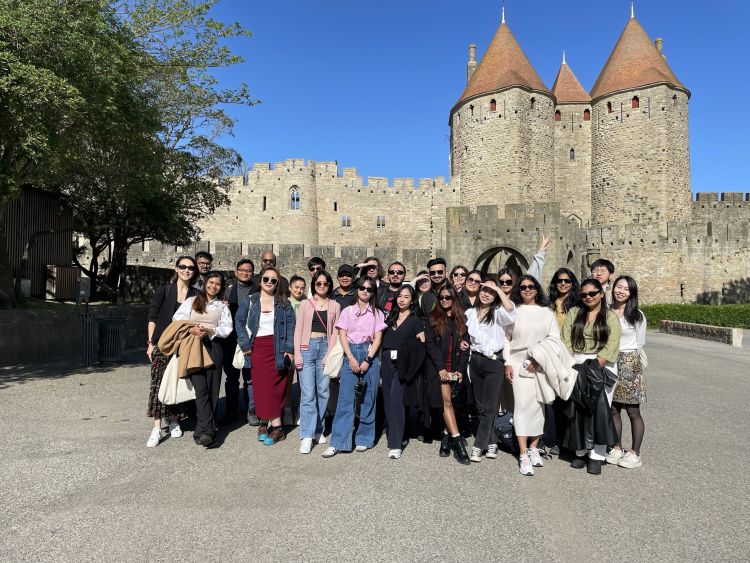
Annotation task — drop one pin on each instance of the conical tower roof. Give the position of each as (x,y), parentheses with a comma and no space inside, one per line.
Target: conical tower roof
(634,62)
(503,65)
(567,89)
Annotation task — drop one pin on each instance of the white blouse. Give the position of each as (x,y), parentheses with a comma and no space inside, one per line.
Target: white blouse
(223,327)
(633,336)
(488,339)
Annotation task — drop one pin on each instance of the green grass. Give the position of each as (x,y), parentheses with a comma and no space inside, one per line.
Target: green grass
(737,316)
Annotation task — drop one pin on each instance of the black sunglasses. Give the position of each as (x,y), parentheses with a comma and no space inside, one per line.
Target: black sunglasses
(367,289)
(315,268)
(563,280)
(272,281)
(396,272)
(590,293)
(186,267)
(526,287)
(321,284)
(445,298)
(473,280)
(460,275)
(504,282)
(437,272)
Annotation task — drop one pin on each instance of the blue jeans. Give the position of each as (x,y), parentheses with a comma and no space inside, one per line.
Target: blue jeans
(313,384)
(343,422)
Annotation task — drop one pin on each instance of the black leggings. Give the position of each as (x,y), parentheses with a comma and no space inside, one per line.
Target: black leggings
(636,424)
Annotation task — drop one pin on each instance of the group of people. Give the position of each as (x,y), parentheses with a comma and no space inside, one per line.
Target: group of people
(450,350)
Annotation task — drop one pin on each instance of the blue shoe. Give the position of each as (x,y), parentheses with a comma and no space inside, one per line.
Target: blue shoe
(276,434)
(262,431)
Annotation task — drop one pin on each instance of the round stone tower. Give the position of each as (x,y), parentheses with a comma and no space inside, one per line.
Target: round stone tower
(502,130)
(640,165)
(293,200)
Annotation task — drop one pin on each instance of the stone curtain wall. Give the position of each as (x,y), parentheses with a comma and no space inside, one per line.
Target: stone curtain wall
(504,155)
(641,158)
(573,177)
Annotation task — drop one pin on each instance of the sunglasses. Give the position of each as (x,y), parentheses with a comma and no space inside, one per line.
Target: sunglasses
(563,280)
(460,275)
(316,268)
(527,287)
(437,272)
(396,272)
(591,294)
(504,282)
(186,267)
(272,281)
(473,280)
(445,298)
(369,267)
(321,284)
(345,275)
(367,289)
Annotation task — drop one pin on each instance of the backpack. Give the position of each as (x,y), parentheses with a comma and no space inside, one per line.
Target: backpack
(505,435)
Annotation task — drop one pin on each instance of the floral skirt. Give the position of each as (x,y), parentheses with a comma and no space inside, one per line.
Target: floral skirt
(157,409)
(631,386)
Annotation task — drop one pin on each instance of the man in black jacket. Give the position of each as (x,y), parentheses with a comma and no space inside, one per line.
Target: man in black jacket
(345,294)
(234,294)
(436,270)
(386,296)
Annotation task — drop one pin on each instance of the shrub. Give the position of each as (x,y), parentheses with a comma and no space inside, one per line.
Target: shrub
(736,316)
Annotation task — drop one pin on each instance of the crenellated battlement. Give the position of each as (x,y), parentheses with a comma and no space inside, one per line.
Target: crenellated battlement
(706,198)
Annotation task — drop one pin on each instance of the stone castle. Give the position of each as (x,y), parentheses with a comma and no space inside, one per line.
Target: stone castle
(605,173)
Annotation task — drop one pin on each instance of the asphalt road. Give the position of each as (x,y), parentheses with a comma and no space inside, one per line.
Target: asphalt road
(78,484)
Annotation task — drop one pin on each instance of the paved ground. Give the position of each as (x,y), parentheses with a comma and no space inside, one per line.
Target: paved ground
(77,483)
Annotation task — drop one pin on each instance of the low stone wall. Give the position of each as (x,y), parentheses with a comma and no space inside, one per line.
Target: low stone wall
(34,336)
(731,336)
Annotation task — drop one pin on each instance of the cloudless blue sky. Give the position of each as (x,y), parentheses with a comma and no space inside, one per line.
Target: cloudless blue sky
(370,84)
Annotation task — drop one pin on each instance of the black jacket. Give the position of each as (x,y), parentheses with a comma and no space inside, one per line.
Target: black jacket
(384,293)
(587,411)
(437,353)
(163,307)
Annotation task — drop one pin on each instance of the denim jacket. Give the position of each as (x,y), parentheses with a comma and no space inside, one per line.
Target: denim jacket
(248,319)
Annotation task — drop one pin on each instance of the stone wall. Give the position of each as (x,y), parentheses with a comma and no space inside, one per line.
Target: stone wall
(573,170)
(640,166)
(505,154)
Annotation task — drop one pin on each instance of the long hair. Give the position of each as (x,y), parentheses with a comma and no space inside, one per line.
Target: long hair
(573,298)
(174,277)
(421,272)
(279,295)
(600,328)
(515,294)
(381,273)
(489,317)
(413,307)
(508,271)
(201,298)
(327,277)
(631,312)
(439,317)
(360,283)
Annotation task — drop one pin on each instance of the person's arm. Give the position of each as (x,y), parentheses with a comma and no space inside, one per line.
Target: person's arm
(640,332)
(183,311)
(371,351)
(291,324)
(433,350)
(353,365)
(506,314)
(537,263)
(298,336)
(567,329)
(610,351)
(508,369)
(240,326)
(225,326)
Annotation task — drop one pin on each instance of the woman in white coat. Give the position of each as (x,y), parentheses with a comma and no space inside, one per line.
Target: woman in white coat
(535,321)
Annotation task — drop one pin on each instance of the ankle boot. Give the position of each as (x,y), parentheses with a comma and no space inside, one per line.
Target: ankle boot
(459,450)
(445,446)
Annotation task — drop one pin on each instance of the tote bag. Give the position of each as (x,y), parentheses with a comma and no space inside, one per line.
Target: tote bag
(174,389)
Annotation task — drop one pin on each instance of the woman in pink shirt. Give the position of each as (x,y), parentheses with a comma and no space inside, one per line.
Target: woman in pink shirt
(360,332)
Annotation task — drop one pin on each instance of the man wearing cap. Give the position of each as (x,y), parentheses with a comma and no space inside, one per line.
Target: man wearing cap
(344,294)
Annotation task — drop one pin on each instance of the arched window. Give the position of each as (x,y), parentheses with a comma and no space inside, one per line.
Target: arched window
(346,221)
(572,154)
(294,198)
(609,107)
(586,115)
(558,115)
(493,105)
(380,222)
(635,102)
(471,109)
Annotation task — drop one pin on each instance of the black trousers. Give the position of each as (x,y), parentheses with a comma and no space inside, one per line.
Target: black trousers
(232,380)
(207,384)
(486,382)
(393,402)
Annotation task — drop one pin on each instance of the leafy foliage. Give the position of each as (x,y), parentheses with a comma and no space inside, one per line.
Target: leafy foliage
(736,316)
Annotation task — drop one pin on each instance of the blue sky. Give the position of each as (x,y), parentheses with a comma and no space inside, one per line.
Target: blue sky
(370,84)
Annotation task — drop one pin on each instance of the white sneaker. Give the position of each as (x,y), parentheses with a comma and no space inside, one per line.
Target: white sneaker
(536,459)
(305,446)
(394,454)
(491,451)
(614,455)
(321,439)
(476,455)
(154,438)
(174,429)
(330,452)
(361,449)
(630,460)
(525,466)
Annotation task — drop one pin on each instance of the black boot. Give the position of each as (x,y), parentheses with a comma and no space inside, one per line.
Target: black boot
(459,450)
(445,446)
(595,467)
(578,463)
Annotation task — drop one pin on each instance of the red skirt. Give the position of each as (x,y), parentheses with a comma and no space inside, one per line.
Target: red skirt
(269,385)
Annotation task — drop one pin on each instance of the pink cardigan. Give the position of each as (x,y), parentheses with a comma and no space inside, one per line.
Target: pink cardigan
(303,328)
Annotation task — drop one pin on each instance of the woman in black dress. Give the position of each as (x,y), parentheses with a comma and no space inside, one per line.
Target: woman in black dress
(167,299)
(445,366)
(400,361)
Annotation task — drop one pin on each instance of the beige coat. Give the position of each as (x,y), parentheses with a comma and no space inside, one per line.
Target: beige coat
(192,354)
